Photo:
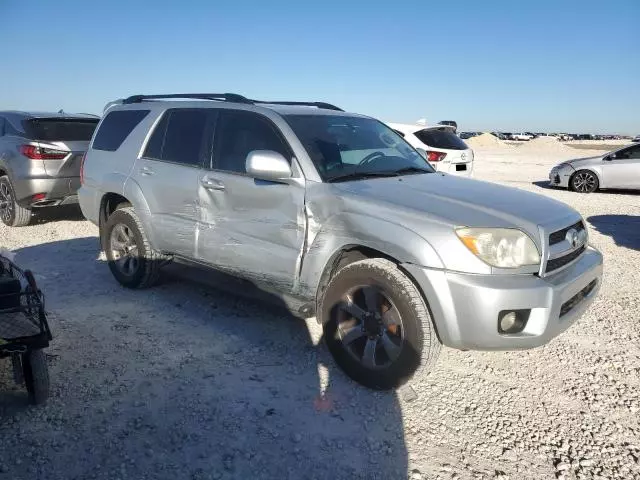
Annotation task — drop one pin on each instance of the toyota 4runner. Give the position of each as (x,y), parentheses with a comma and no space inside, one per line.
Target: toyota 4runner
(337,211)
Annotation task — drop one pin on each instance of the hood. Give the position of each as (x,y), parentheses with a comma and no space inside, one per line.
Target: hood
(585,162)
(457,201)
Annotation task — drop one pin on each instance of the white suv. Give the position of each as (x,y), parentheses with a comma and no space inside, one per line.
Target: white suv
(445,151)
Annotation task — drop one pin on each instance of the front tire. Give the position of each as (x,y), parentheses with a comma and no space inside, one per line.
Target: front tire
(584,181)
(377,325)
(11,214)
(131,260)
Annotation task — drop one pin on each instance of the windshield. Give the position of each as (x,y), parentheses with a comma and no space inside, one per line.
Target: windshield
(347,147)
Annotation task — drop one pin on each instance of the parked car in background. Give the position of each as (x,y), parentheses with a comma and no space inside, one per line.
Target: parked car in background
(445,151)
(451,123)
(523,137)
(636,138)
(467,135)
(500,135)
(617,169)
(337,212)
(40,156)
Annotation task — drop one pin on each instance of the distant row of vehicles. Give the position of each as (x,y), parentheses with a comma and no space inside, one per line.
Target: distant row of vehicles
(565,137)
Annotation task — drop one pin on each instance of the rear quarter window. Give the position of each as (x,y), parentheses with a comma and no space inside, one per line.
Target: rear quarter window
(444,138)
(116,127)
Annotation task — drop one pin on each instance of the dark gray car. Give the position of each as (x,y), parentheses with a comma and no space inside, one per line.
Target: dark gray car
(40,157)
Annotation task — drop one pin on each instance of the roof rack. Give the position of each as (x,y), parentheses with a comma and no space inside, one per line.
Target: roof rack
(227,97)
(326,106)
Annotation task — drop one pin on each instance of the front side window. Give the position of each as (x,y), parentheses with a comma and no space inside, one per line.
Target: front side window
(240,133)
(631,153)
(343,147)
(181,136)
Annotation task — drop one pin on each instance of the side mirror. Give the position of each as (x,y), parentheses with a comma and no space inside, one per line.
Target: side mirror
(268,165)
(608,158)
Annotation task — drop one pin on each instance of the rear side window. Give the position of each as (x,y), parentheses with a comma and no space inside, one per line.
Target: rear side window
(444,138)
(240,133)
(182,136)
(116,127)
(63,129)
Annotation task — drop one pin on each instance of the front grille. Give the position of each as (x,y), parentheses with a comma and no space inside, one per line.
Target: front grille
(560,235)
(577,298)
(560,262)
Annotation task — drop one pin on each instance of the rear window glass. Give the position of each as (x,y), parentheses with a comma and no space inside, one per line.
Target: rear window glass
(444,138)
(53,129)
(116,127)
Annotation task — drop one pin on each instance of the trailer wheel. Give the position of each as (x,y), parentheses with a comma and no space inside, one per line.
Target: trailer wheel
(36,376)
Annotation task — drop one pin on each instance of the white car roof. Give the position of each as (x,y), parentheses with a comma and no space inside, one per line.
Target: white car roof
(412,128)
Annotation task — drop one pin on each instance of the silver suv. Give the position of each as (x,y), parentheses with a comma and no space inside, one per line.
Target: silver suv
(40,156)
(337,211)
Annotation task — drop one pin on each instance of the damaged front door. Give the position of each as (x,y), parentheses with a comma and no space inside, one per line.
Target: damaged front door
(252,228)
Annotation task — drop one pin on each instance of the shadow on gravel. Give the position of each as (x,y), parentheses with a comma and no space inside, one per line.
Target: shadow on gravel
(624,229)
(188,380)
(55,214)
(545,185)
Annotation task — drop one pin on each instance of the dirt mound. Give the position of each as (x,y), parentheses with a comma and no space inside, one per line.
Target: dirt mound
(486,140)
(547,144)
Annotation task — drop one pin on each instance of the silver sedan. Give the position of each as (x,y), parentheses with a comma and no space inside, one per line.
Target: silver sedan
(617,169)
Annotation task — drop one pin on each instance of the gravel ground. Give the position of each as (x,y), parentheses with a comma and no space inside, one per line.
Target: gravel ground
(186,381)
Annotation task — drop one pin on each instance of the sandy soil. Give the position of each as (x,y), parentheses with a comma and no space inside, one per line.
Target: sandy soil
(187,382)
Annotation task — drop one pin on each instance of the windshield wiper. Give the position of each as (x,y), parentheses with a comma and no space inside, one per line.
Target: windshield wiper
(417,170)
(360,176)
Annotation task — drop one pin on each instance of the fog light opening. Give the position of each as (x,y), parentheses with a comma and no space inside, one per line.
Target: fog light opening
(512,321)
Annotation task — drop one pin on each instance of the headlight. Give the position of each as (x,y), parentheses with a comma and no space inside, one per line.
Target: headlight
(500,247)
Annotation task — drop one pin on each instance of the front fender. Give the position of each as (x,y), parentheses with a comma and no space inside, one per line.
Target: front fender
(350,230)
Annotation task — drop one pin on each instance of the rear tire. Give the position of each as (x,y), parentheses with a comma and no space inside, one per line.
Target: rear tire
(584,181)
(406,322)
(131,260)
(12,214)
(36,376)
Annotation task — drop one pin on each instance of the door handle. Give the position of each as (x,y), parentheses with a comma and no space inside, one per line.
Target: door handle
(212,184)
(146,171)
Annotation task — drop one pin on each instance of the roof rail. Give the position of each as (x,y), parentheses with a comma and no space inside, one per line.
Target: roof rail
(326,106)
(225,97)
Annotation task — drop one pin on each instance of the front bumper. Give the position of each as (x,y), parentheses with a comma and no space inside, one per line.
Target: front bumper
(58,191)
(465,307)
(560,176)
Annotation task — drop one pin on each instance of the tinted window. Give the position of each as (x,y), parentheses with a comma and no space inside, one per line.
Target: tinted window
(53,129)
(240,133)
(116,127)
(630,153)
(184,139)
(154,145)
(444,138)
(1,126)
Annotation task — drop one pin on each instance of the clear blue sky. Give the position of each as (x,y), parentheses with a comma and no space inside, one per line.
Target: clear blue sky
(510,65)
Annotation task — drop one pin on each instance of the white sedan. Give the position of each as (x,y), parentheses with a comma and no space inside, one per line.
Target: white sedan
(617,169)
